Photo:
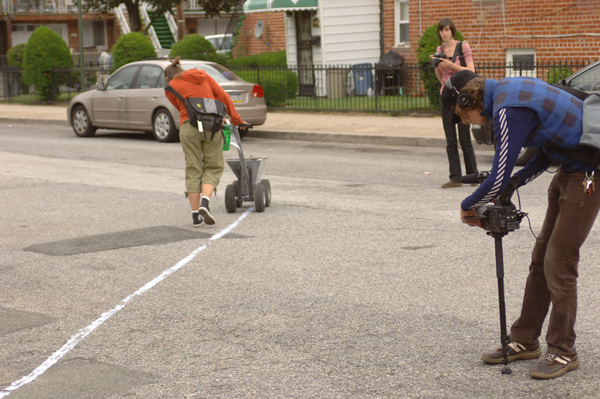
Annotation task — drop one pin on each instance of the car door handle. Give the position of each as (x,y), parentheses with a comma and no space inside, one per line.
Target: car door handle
(155,97)
(120,98)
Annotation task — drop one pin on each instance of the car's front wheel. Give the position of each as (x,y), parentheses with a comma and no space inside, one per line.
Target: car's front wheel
(163,127)
(82,125)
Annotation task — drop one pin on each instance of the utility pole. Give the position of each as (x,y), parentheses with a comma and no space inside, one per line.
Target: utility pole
(180,20)
(81,58)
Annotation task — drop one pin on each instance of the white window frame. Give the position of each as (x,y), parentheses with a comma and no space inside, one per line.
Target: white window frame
(512,72)
(397,21)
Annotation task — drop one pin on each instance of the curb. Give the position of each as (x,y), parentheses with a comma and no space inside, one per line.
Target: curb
(351,138)
(35,121)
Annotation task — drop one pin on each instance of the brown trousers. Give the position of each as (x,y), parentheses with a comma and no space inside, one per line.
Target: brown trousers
(553,271)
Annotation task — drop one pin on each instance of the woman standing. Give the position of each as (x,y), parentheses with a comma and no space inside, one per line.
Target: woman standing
(459,58)
(204,162)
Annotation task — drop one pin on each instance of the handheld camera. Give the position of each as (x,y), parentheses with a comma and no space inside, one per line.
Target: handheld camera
(502,217)
(435,61)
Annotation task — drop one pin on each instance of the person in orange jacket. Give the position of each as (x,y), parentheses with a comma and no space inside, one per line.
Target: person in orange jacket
(204,162)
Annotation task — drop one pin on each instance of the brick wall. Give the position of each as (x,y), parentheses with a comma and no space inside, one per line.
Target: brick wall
(559,27)
(273,33)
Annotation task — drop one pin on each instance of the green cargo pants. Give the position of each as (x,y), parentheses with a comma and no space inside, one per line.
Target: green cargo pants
(204,162)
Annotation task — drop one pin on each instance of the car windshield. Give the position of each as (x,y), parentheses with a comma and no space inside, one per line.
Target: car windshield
(216,71)
(588,80)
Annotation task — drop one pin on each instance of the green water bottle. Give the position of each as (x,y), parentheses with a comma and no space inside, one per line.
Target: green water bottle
(226,137)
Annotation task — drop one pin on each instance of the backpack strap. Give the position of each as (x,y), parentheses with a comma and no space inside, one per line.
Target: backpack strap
(168,87)
(461,54)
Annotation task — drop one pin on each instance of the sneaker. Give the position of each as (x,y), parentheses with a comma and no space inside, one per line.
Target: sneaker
(196,219)
(205,211)
(552,366)
(451,184)
(516,351)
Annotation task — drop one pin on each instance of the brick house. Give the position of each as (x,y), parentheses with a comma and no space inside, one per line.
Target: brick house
(497,30)
(19,18)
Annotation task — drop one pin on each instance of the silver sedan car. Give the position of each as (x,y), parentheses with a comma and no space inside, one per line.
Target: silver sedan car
(133,98)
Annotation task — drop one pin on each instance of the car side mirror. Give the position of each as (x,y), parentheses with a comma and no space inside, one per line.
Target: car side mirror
(562,82)
(101,86)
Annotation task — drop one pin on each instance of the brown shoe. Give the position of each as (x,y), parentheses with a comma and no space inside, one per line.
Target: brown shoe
(451,184)
(516,351)
(552,366)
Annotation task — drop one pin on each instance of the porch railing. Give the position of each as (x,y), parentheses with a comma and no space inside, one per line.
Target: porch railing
(38,6)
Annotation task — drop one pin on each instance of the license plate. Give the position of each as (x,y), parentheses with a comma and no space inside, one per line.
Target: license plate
(236,97)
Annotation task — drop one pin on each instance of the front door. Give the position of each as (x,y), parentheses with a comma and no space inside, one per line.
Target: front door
(306,73)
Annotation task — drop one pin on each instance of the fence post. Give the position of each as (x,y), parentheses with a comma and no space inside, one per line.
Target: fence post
(375,89)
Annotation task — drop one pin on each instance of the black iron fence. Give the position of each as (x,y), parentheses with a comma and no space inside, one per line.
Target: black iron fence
(60,85)
(332,88)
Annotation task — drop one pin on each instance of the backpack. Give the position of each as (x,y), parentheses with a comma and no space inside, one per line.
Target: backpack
(588,149)
(206,114)
(458,52)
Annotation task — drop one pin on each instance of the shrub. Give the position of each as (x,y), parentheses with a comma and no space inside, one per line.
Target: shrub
(273,58)
(427,45)
(91,78)
(15,55)
(278,85)
(130,48)
(44,51)
(558,73)
(195,47)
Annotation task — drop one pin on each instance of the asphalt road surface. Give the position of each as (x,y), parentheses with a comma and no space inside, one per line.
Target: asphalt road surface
(359,281)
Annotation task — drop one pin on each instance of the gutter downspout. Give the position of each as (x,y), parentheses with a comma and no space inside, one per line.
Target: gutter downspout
(323,53)
(420,29)
(381,41)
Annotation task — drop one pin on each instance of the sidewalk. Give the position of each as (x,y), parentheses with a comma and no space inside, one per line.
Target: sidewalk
(348,128)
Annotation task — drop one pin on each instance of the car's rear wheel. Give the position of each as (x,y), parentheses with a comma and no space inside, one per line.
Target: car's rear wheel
(163,127)
(82,125)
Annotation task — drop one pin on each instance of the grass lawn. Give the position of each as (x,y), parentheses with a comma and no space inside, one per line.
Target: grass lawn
(358,103)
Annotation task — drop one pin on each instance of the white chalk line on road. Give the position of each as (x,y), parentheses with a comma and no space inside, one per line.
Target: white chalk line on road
(75,339)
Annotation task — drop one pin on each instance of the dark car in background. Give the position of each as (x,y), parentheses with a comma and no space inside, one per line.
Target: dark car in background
(133,98)
(587,79)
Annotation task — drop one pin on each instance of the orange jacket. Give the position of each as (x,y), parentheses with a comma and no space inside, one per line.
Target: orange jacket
(197,83)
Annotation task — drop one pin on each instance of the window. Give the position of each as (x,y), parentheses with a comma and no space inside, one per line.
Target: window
(122,79)
(94,34)
(520,62)
(149,78)
(402,25)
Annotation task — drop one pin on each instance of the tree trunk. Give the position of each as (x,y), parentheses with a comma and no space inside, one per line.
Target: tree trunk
(180,20)
(133,9)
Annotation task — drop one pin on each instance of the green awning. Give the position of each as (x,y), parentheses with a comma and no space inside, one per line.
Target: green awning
(251,6)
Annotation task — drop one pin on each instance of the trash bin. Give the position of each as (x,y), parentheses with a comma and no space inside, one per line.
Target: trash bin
(337,79)
(363,78)
(389,74)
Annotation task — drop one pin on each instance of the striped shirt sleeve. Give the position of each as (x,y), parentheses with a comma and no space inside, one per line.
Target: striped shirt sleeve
(512,126)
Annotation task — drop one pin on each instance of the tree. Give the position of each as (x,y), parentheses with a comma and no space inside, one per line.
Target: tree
(45,50)
(211,8)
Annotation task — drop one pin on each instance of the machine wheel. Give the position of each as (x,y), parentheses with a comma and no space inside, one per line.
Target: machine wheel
(80,120)
(267,184)
(260,198)
(238,193)
(163,127)
(230,201)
